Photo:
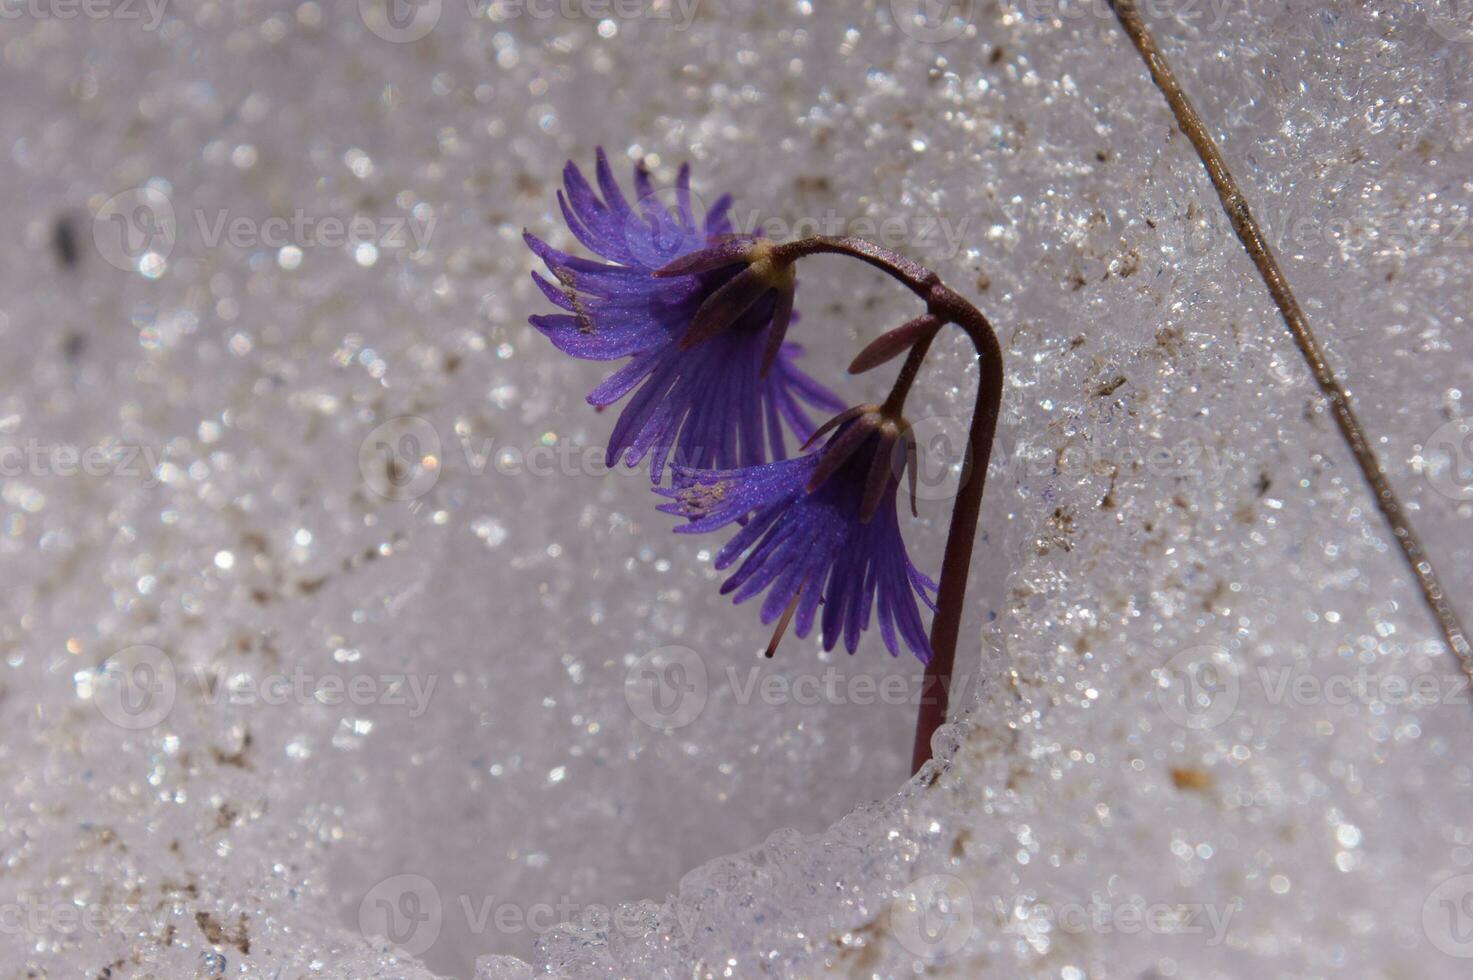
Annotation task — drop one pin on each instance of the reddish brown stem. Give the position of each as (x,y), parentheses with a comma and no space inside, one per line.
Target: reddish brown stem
(957,561)
(948,307)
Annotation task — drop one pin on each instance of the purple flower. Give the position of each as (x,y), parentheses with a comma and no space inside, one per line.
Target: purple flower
(818,528)
(718,396)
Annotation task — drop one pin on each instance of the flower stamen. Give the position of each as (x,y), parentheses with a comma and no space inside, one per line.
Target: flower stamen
(782,623)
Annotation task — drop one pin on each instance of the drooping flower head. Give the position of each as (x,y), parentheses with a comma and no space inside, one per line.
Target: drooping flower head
(819,528)
(715,392)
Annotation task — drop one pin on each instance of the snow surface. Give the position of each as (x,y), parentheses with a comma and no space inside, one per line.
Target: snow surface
(399,713)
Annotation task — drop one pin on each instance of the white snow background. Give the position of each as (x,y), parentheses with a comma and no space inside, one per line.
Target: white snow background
(392,730)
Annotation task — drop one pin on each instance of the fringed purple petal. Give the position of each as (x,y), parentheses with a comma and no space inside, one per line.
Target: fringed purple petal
(682,198)
(718,222)
(602,231)
(568,334)
(812,548)
(559,298)
(608,186)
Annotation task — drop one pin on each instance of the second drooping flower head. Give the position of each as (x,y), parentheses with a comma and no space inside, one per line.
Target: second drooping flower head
(821,529)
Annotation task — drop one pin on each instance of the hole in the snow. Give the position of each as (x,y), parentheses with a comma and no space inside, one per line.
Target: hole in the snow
(602,720)
(584,745)
(524,797)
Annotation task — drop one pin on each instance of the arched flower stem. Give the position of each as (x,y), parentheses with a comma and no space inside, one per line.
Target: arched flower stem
(957,560)
(948,307)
